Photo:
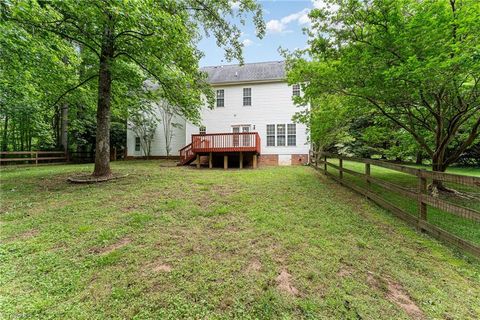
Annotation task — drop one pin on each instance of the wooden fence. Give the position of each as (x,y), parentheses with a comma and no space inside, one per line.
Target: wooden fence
(420,195)
(32,156)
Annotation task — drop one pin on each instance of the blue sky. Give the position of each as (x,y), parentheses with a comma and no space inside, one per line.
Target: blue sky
(284,19)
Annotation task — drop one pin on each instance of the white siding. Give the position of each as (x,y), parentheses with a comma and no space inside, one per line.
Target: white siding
(271,104)
(158,144)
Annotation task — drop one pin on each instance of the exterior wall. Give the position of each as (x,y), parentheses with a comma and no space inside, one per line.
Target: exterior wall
(158,143)
(271,104)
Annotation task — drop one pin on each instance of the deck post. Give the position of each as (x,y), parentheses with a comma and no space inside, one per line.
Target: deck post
(210,165)
(225,162)
(198,160)
(255,161)
(241,160)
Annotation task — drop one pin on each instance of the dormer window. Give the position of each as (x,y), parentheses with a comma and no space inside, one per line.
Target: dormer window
(247,97)
(296,90)
(220,98)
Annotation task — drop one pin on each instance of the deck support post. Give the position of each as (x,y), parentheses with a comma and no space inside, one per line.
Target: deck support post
(241,160)
(255,161)
(198,160)
(225,162)
(210,165)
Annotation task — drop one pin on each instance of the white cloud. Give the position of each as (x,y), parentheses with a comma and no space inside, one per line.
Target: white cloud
(320,4)
(275,26)
(247,42)
(234,5)
(280,26)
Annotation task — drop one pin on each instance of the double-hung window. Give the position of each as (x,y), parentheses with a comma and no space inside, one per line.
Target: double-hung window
(202,130)
(291,134)
(220,98)
(280,135)
(270,135)
(296,90)
(137,143)
(247,97)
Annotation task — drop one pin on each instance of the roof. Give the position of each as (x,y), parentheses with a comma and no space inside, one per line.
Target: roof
(249,72)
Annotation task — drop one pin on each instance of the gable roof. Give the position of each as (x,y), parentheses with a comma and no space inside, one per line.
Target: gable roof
(249,72)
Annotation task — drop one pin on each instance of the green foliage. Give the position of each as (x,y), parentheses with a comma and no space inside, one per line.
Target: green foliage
(416,63)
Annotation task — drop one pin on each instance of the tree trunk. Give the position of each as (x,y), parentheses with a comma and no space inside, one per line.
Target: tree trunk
(64,127)
(102,148)
(419,157)
(5,134)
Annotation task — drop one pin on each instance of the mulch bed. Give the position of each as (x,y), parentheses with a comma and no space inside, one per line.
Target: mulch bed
(88,178)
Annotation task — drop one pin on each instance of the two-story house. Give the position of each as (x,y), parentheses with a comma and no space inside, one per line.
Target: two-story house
(250,125)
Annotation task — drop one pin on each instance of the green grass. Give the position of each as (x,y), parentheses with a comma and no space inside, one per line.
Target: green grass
(175,242)
(464,228)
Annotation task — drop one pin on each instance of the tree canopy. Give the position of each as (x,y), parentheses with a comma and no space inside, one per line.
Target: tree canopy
(416,63)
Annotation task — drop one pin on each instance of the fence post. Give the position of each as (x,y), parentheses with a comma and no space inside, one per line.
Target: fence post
(36,158)
(325,165)
(422,189)
(340,164)
(367,173)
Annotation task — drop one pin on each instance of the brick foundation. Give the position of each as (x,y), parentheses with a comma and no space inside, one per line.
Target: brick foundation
(268,160)
(299,159)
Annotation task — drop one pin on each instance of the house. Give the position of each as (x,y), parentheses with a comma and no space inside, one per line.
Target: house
(250,125)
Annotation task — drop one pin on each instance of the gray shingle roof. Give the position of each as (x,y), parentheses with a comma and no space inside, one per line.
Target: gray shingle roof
(260,71)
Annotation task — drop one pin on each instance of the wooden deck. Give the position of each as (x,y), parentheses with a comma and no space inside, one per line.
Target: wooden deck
(207,144)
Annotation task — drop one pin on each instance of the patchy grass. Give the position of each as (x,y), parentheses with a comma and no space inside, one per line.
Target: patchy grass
(464,228)
(174,242)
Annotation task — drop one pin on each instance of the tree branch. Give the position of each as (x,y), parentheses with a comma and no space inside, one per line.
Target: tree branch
(73,88)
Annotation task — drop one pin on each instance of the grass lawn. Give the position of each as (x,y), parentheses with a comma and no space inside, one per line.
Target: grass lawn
(464,228)
(175,242)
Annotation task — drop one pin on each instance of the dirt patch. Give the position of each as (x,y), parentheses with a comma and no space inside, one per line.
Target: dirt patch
(396,294)
(25,235)
(117,245)
(284,283)
(344,271)
(254,266)
(163,267)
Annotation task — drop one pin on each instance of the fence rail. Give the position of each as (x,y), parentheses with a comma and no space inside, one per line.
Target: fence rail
(34,156)
(320,161)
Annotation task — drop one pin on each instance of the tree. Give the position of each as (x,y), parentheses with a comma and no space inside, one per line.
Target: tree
(144,125)
(416,62)
(167,113)
(158,37)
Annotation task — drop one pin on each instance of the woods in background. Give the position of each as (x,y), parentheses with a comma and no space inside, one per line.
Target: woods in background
(396,79)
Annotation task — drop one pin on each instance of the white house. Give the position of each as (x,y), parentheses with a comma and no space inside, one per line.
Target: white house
(251,122)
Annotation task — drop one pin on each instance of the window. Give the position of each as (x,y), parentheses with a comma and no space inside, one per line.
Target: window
(220,98)
(247,96)
(202,130)
(291,134)
(296,90)
(270,135)
(280,134)
(137,143)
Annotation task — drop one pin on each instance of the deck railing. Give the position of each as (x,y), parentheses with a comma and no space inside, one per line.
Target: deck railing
(226,142)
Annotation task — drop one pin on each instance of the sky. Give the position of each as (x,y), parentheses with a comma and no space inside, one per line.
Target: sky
(284,22)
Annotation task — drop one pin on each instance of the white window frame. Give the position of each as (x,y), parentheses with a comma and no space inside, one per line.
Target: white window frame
(220,97)
(289,131)
(270,135)
(138,144)
(247,96)
(296,90)
(202,130)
